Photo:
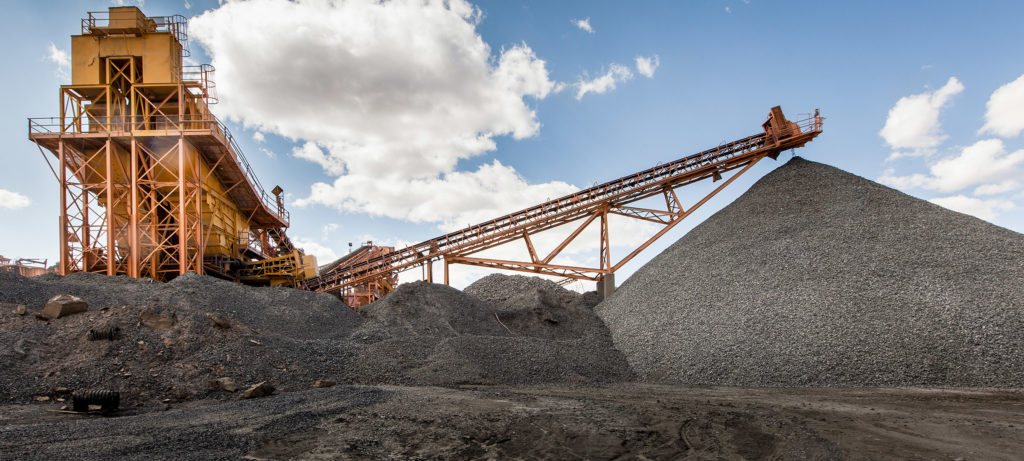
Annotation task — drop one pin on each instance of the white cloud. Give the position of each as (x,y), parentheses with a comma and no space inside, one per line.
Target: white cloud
(313,153)
(647,66)
(728,10)
(616,74)
(455,199)
(997,188)
(402,87)
(259,137)
(128,2)
(13,200)
(1004,115)
(985,161)
(323,254)
(61,59)
(327,229)
(983,209)
(387,97)
(188,5)
(583,24)
(268,152)
(913,123)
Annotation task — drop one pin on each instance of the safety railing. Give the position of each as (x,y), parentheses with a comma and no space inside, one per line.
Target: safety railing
(169,124)
(203,74)
(177,25)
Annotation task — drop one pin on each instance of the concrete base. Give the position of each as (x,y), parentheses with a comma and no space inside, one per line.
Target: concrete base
(606,286)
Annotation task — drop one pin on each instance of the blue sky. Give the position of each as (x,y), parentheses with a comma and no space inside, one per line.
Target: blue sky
(720,66)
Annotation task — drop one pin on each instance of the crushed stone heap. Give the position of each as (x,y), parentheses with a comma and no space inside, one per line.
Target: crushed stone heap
(817,277)
(429,334)
(167,341)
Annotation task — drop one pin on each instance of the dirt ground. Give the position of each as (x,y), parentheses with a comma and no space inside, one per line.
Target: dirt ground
(623,421)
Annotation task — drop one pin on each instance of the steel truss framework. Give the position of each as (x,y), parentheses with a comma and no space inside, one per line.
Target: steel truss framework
(582,209)
(140,219)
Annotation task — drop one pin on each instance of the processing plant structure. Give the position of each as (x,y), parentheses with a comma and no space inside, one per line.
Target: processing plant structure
(153,185)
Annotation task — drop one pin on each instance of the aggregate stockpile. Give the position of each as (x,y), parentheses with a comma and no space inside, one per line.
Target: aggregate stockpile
(198,337)
(817,277)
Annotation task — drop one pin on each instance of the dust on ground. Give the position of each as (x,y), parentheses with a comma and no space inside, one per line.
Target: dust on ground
(620,421)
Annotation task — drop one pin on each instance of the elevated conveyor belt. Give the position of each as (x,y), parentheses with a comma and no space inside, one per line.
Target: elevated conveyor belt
(587,205)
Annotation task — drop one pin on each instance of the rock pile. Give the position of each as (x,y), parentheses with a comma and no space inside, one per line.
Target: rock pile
(436,335)
(167,341)
(817,277)
(199,337)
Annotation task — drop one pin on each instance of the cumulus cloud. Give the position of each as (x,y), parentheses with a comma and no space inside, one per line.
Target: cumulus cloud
(583,24)
(912,126)
(13,200)
(61,59)
(616,74)
(455,199)
(313,153)
(1004,115)
(259,137)
(323,254)
(646,66)
(983,209)
(403,87)
(387,98)
(997,188)
(985,161)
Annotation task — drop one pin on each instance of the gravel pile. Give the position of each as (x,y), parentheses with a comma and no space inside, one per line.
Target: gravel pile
(498,331)
(817,277)
(174,338)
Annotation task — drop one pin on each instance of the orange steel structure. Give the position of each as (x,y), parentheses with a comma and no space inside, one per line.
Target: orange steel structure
(24,266)
(368,290)
(581,209)
(151,183)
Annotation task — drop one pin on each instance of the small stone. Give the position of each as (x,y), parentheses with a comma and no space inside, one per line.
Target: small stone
(62,390)
(157,321)
(324,383)
(218,322)
(41,398)
(224,384)
(64,305)
(261,389)
(20,309)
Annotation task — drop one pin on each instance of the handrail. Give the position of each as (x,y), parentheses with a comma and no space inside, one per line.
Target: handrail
(124,125)
(176,25)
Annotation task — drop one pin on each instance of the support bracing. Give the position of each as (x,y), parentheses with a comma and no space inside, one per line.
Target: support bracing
(581,209)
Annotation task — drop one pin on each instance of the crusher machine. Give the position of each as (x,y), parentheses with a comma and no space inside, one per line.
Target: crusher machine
(152,184)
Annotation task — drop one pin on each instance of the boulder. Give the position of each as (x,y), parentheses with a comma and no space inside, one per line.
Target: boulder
(64,305)
(261,389)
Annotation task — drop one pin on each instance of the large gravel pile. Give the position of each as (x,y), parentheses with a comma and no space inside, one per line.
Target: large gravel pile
(435,335)
(818,277)
(174,338)
(177,337)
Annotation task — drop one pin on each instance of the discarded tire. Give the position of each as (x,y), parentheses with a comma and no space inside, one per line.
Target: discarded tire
(107,400)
